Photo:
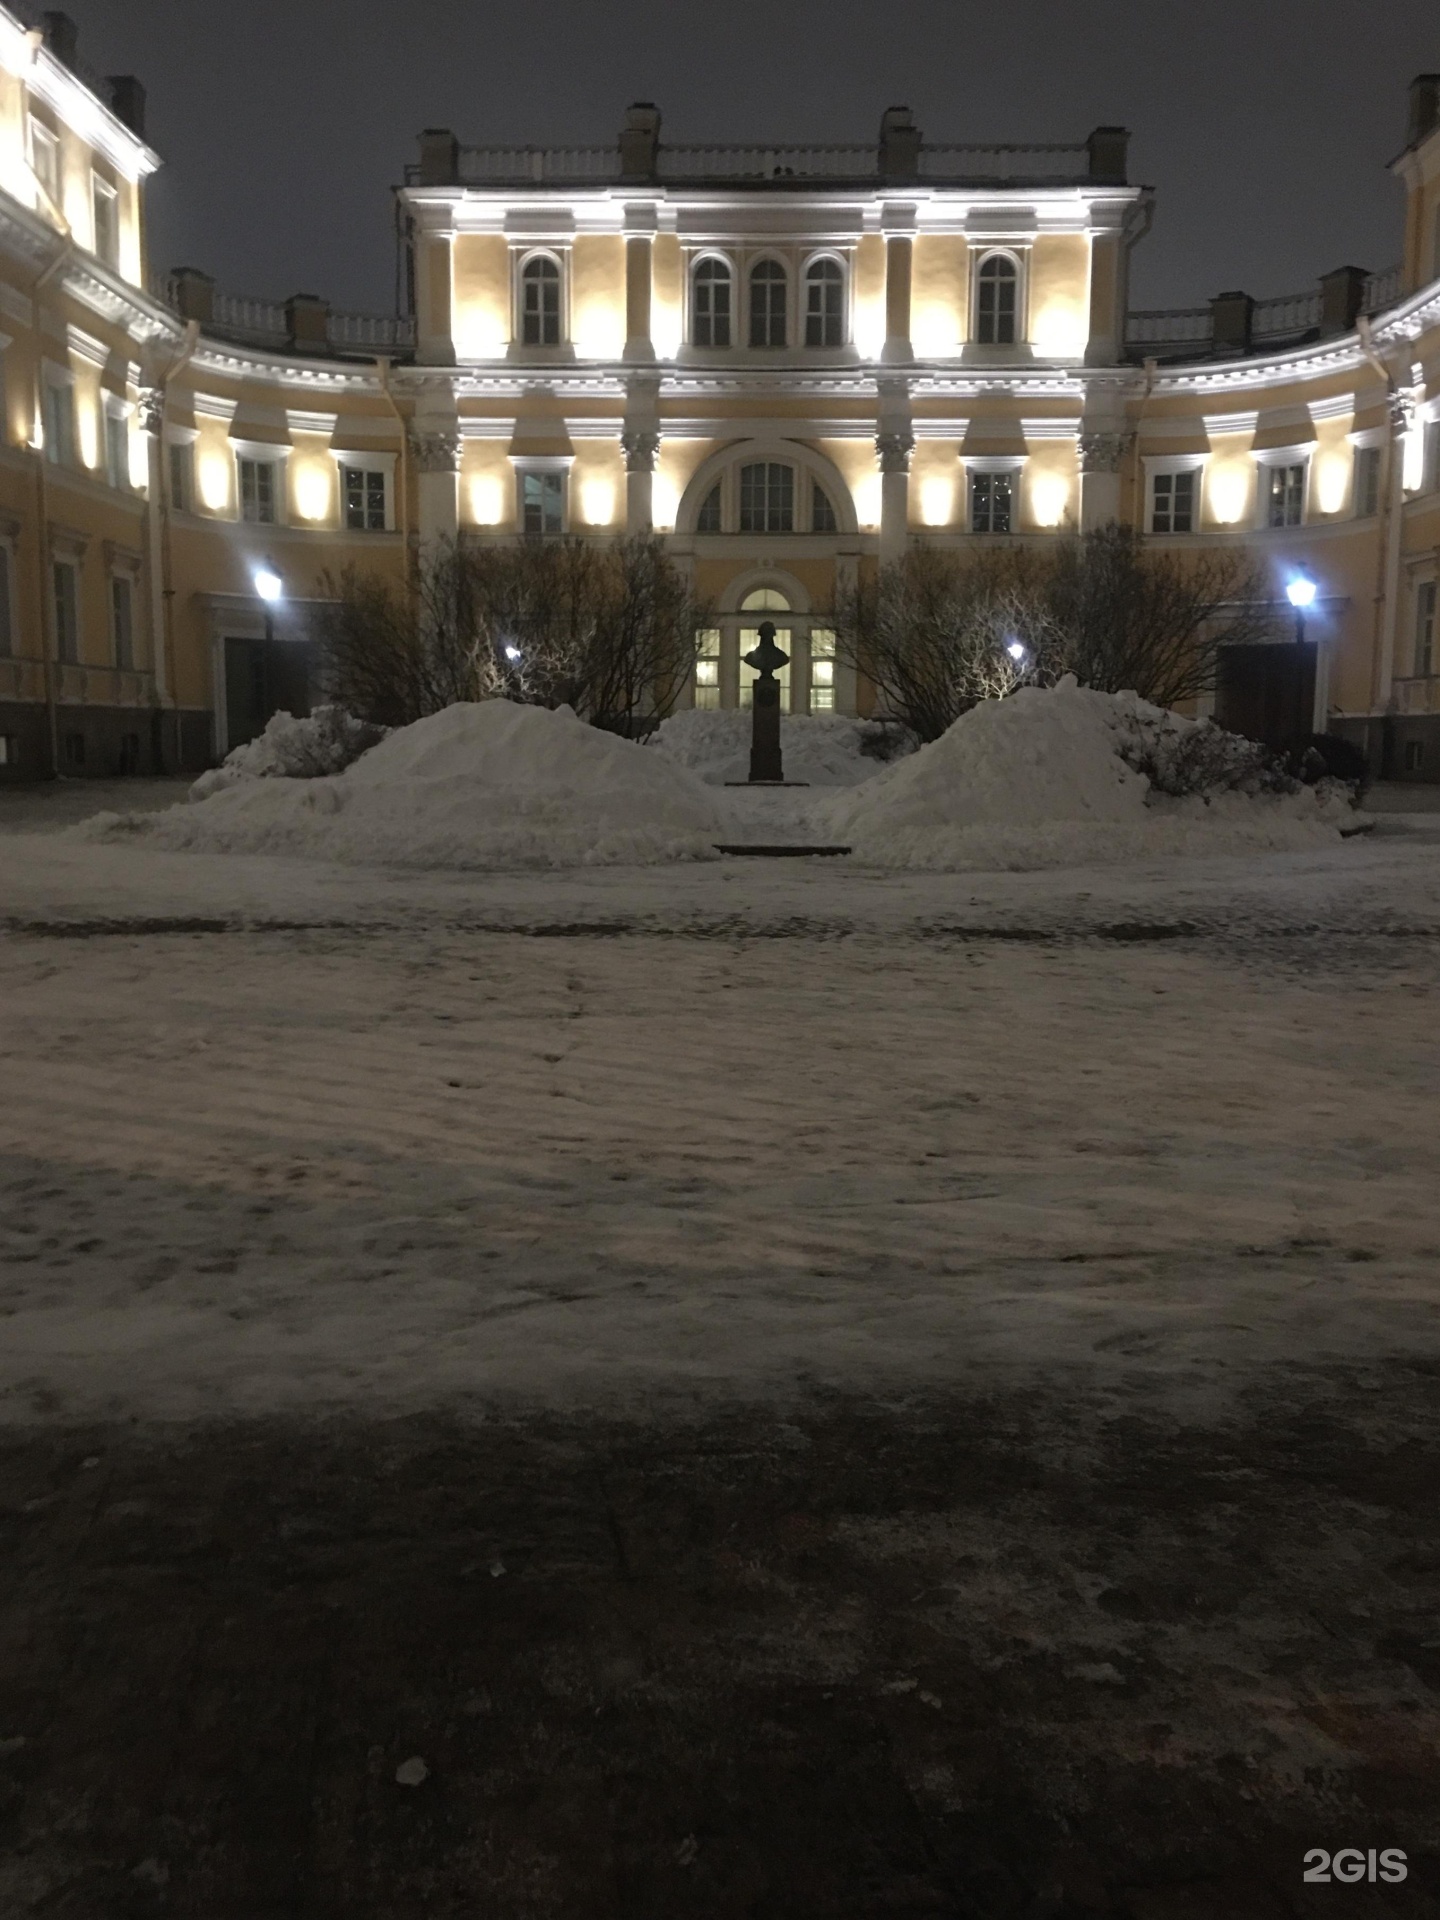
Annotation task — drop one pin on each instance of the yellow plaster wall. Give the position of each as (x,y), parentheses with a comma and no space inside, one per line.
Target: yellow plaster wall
(1229,489)
(935,490)
(1059,304)
(487,485)
(597,487)
(856,461)
(481,274)
(868,319)
(938,294)
(597,296)
(312,478)
(667,295)
(679,462)
(1050,489)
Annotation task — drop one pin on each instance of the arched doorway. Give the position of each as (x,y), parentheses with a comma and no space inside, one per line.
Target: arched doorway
(770,604)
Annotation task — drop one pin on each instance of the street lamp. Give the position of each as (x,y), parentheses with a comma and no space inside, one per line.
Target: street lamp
(271,588)
(1300,592)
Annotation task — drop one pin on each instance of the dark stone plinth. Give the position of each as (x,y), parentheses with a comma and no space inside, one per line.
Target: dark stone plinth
(765,763)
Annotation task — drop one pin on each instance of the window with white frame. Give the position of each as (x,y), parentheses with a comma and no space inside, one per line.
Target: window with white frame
(1425,630)
(769,291)
(366,497)
(992,500)
(1173,498)
(1367,482)
(7,599)
(824,304)
(767,497)
(707,668)
(45,158)
(822,670)
(1285,494)
(122,620)
(259,489)
(57,401)
(710,292)
(997,300)
(105,206)
(117,447)
(542,501)
(822,511)
(540,291)
(65,586)
(182,475)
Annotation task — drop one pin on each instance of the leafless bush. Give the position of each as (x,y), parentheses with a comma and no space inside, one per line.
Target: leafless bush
(938,631)
(609,631)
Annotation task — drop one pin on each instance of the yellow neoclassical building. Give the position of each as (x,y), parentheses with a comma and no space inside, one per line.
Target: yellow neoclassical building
(791,362)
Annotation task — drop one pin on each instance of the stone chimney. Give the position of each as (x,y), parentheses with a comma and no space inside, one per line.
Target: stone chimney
(1108,148)
(62,37)
(307,321)
(194,294)
(640,142)
(439,158)
(127,102)
(1424,106)
(1341,295)
(1232,316)
(899,144)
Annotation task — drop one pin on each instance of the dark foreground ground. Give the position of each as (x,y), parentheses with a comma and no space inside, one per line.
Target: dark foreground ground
(1006,1656)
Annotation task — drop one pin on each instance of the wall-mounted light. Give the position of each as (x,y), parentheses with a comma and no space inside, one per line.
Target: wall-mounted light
(1049,496)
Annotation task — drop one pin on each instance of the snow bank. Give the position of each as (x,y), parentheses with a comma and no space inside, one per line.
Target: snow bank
(487,785)
(1041,779)
(823,749)
(320,743)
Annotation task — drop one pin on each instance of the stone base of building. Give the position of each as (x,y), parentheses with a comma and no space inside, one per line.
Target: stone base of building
(102,743)
(1397,746)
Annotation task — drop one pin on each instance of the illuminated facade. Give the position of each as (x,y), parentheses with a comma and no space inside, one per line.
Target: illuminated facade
(789,362)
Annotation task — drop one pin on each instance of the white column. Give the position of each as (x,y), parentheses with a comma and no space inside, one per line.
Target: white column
(641,447)
(1402,421)
(152,425)
(893,449)
(436,453)
(1101,457)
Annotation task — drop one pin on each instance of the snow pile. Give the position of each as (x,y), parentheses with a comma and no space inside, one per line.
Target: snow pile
(487,785)
(322,743)
(1051,777)
(821,749)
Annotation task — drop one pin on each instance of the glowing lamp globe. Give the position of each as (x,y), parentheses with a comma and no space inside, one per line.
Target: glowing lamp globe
(1301,592)
(268,583)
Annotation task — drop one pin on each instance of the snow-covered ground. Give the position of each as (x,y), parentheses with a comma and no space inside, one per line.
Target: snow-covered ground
(291,1134)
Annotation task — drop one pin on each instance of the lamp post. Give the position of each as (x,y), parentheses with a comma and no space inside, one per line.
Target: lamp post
(1300,591)
(271,589)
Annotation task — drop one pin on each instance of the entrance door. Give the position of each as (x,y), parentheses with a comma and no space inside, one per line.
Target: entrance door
(1267,692)
(766,600)
(263,677)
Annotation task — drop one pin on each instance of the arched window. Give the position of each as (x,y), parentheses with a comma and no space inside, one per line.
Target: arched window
(824,304)
(767,304)
(822,513)
(708,518)
(540,302)
(997,299)
(767,498)
(711,304)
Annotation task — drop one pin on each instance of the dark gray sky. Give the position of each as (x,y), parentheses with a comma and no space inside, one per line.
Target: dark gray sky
(1264,125)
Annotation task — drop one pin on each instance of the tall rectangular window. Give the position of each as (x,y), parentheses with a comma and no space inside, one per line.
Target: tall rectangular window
(992,499)
(711,287)
(122,619)
(822,670)
(117,449)
(45,158)
(1425,629)
(105,202)
(769,290)
(542,499)
(540,302)
(1285,495)
(707,668)
(257,491)
(182,475)
(365,498)
(65,577)
(767,498)
(1172,507)
(58,423)
(1367,482)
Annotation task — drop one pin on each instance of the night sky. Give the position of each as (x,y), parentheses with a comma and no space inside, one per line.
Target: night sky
(1264,125)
